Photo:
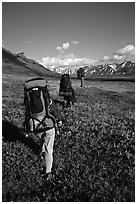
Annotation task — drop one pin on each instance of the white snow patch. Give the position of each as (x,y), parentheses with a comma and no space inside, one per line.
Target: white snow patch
(113,66)
(124,64)
(92,71)
(111,71)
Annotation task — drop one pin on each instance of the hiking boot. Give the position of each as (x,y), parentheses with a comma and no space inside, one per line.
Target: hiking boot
(43,172)
(49,176)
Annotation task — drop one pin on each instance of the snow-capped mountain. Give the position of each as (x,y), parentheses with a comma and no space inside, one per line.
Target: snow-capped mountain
(124,68)
(67,69)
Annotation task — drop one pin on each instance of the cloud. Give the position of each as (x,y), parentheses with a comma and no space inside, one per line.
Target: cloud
(63,47)
(124,54)
(66,60)
(28,41)
(106,58)
(113,58)
(59,48)
(118,57)
(75,42)
(127,50)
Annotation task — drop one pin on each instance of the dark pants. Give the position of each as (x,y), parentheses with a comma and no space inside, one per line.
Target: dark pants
(70,98)
(82,81)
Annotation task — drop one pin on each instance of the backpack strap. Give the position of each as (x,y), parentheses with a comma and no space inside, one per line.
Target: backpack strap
(37,129)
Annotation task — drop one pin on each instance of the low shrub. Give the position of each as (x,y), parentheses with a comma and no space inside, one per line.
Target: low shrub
(93,155)
(20,173)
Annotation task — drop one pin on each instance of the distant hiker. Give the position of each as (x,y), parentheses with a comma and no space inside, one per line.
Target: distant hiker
(66,90)
(80,75)
(41,118)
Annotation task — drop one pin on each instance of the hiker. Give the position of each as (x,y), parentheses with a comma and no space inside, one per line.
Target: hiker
(42,118)
(80,75)
(66,90)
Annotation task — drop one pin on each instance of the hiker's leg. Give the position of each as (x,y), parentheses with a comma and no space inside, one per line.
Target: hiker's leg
(68,101)
(73,97)
(82,81)
(47,149)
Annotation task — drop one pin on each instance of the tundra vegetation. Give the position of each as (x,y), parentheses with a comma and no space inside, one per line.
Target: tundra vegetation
(93,155)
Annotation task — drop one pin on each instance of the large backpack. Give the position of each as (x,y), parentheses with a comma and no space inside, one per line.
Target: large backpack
(65,86)
(37,102)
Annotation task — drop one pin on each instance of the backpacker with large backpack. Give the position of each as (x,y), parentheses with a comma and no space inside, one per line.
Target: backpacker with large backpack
(80,73)
(65,86)
(37,101)
(66,89)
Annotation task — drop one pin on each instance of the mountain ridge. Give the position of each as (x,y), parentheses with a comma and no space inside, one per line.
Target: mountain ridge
(19,63)
(117,69)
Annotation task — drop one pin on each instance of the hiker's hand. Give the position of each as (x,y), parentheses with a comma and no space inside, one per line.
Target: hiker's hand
(60,123)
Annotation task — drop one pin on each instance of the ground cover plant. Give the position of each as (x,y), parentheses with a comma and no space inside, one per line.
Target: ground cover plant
(93,155)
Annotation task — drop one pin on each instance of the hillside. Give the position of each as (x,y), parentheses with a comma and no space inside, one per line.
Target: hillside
(19,64)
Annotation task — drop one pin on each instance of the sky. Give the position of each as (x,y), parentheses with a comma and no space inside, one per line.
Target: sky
(70,33)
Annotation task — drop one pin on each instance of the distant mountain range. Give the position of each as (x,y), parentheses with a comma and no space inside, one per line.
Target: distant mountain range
(122,69)
(19,63)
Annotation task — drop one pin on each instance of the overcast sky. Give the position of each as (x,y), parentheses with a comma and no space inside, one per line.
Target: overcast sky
(69,33)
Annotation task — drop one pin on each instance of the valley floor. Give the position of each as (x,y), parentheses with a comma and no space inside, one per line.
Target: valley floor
(94,155)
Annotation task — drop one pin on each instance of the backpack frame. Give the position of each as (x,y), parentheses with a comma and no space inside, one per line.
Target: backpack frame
(37,87)
(65,86)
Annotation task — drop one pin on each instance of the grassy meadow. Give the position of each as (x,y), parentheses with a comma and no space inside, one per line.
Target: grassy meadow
(93,155)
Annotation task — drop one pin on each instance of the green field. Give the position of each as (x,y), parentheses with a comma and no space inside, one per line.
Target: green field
(94,155)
